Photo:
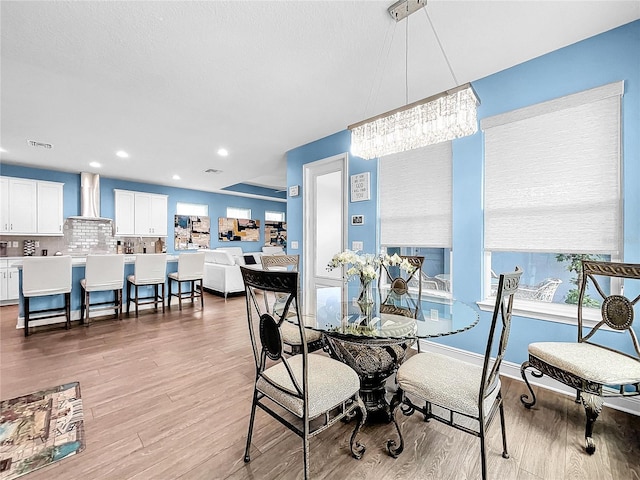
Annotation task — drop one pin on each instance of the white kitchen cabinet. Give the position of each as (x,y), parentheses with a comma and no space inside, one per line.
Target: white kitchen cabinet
(50,215)
(9,283)
(151,215)
(141,214)
(19,206)
(30,207)
(125,211)
(4,204)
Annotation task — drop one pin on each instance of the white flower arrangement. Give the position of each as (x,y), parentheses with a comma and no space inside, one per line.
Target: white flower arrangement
(366,266)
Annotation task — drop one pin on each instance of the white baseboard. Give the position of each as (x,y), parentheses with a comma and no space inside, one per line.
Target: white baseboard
(512,370)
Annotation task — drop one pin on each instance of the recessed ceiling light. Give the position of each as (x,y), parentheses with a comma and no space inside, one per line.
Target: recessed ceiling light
(176,177)
(3,150)
(122,154)
(95,164)
(223,152)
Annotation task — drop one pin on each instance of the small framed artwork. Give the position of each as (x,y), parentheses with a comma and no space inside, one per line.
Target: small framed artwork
(360,187)
(357,219)
(294,190)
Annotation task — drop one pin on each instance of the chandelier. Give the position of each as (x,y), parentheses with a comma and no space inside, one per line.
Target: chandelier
(438,118)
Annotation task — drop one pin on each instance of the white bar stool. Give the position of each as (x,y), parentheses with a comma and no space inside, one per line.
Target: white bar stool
(190,269)
(102,272)
(150,269)
(42,276)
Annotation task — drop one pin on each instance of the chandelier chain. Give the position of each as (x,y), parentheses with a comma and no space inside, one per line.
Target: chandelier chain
(441,47)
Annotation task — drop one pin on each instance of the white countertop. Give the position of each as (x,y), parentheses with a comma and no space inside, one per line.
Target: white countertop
(81,260)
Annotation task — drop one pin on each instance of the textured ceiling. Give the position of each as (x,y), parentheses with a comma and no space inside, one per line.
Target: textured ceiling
(171,82)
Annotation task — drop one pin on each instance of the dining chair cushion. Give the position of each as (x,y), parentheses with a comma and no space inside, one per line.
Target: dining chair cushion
(98,287)
(150,269)
(588,361)
(46,276)
(103,272)
(445,381)
(291,334)
(330,383)
(190,267)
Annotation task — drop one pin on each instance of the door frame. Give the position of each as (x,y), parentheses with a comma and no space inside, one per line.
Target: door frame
(310,170)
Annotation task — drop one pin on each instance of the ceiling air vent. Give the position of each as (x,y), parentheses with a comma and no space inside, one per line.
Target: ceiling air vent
(212,170)
(33,143)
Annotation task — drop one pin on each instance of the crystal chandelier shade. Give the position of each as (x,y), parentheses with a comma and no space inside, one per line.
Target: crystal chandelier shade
(443,117)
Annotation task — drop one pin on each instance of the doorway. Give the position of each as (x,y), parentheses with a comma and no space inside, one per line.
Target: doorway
(325,227)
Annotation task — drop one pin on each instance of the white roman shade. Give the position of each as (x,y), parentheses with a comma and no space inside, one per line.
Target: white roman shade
(552,175)
(415,197)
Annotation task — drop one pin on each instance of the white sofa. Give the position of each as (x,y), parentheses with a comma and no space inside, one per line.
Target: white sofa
(222,268)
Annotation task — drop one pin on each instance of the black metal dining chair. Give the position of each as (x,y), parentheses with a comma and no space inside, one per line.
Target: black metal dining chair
(275,302)
(592,367)
(454,391)
(307,393)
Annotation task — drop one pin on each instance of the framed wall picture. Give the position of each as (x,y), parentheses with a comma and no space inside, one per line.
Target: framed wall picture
(238,230)
(191,232)
(275,233)
(360,187)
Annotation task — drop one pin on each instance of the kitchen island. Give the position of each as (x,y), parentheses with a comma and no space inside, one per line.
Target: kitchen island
(78,272)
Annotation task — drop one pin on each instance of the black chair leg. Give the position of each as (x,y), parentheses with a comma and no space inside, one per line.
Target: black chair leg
(180,295)
(128,296)
(163,297)
(201,295)
(26,316)
(67,308)
(592,407)
(169,295)
(137,299)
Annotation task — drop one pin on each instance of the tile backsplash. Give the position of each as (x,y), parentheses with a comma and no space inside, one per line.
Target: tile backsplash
(81,236)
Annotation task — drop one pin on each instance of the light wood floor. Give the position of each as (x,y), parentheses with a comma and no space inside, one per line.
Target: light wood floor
(168,396)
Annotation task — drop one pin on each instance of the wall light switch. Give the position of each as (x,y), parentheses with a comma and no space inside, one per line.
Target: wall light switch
(357,246)
(37,243)
(15,245)
(294,245)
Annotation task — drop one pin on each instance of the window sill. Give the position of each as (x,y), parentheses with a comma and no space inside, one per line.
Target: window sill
(550,312)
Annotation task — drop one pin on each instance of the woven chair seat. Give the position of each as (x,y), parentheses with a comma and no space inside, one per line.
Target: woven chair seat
(591,362)
(291,334)
(330,383)
(445,381)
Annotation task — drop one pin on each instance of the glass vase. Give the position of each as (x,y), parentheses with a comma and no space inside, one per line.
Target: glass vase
(365,299)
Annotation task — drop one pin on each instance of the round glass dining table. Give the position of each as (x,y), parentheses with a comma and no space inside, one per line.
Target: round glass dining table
(376,346)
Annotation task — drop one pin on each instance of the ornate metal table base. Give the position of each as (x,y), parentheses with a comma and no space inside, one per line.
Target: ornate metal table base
(374,360)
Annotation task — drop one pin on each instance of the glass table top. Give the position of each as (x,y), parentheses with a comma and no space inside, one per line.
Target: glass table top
(436,317)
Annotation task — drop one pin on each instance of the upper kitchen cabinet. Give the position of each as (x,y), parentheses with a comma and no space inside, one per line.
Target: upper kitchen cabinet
(125,208)
(50,215)
(140,214)
(30,207)
(151,215)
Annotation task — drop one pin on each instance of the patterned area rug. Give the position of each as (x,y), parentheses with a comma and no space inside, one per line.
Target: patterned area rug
(39,429)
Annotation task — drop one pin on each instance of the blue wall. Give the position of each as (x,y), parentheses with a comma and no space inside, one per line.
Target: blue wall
(609,57)
(218,203)
(328,147)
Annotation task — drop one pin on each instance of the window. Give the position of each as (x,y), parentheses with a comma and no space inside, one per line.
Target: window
(415,211)
(196,209)
(236,212)
(552,185)
(415,197)
(436,269)
(273,216)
